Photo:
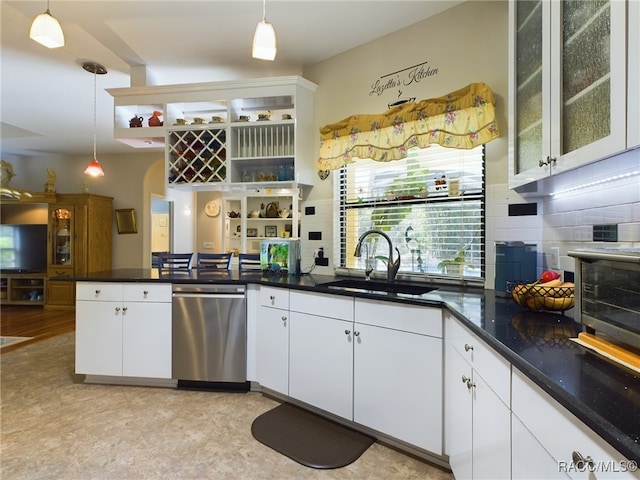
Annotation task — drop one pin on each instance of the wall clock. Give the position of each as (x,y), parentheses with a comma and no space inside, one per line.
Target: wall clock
(212,208)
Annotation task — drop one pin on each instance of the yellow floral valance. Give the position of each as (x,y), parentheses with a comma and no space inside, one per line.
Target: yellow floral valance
(462,119)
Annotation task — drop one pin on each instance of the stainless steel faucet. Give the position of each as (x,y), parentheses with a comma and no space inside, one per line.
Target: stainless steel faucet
(392,266)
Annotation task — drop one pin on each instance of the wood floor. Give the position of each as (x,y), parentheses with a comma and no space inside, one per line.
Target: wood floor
(33,321)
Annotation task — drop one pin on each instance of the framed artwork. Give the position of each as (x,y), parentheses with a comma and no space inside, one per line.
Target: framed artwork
(126,220)
(252,232)
(271,231)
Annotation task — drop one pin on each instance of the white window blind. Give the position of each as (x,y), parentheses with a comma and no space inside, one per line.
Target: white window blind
(431,204)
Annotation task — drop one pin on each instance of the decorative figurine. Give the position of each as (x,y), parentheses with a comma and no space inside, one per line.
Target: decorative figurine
(50,186)
(135,122)
(154,119)
(6,173)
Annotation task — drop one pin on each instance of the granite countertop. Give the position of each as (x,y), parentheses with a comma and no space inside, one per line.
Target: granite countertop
(603,395)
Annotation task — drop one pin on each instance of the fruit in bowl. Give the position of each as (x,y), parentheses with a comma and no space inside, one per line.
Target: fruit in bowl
(552,295)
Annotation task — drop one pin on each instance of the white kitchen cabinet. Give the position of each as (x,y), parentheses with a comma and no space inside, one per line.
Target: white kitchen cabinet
(247,133)
(458,413)
(99,328)
(633,94)
(477,406)
(113,325)
(529,458)
(397,375)
(321,371)
(567,77)
(562,435)
(272,339)
(321,351)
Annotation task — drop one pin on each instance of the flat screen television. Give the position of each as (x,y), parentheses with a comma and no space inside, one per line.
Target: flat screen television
(23,248)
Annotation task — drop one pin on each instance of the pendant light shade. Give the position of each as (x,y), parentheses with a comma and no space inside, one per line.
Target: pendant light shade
(94,168)
(264,40)
(46,30)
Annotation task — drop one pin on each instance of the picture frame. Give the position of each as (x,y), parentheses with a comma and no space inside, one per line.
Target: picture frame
(126,220)
(271,231)
(252,232)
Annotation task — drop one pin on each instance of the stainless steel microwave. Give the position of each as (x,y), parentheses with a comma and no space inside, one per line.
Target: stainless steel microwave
(608,292)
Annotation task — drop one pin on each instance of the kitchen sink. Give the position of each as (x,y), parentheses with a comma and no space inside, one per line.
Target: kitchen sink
(353,284)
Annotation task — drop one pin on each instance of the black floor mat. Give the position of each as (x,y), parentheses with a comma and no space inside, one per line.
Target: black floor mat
(308,438)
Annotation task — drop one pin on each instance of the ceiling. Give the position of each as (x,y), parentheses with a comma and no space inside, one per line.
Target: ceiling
(47,98)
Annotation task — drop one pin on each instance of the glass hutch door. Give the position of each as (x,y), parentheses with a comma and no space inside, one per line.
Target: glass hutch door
(61,237)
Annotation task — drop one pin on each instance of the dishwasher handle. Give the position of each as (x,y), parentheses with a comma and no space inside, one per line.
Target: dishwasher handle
(207,295)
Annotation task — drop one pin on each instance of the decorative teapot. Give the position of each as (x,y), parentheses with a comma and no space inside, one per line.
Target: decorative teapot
(135,122)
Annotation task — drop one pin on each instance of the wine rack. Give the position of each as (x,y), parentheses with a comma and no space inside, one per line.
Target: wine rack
(197,156)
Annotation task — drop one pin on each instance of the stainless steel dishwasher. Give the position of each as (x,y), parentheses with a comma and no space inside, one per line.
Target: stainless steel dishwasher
(210,336)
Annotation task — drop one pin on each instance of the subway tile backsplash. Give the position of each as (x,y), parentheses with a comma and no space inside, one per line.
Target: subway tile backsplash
(566,220)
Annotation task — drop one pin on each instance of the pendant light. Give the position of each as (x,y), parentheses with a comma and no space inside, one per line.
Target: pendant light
(94,169)
(46,30)
(264,40)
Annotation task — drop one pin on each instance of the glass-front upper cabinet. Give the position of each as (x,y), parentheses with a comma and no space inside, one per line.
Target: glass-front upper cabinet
(568,85)
(61,240)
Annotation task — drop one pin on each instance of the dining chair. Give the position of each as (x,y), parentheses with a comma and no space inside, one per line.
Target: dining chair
(175,261)
(249,263)
(214,261)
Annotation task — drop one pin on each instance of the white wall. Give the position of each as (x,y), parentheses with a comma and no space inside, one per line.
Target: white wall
(466,44)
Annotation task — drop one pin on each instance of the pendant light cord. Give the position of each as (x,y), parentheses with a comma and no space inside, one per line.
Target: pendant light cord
(95,123)
(264,10)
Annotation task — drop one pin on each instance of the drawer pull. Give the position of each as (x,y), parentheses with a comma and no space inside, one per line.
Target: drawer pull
(581,462)
(467,347)
(145,292)
(98,292)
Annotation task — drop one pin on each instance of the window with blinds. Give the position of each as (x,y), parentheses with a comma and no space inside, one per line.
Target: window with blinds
(431,204)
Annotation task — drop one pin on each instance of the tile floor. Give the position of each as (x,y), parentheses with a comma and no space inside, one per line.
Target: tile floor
(54,427)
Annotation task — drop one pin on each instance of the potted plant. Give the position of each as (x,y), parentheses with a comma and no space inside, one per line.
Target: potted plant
(455,265)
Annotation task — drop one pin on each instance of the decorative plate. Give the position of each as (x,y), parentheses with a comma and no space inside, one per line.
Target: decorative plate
(212,208)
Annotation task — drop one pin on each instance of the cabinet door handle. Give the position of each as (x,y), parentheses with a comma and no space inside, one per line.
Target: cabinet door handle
(284,319)
(581,462)
(124,309)
(549,161)
(468,381)
(356,334)
(347,332)
(467,347)
(117,309)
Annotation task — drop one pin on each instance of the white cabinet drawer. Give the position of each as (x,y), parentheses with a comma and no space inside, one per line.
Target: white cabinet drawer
(404,317)
(332,306)
(147,292)
(486,362)
(99,291)
(274,297)
(561,433)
